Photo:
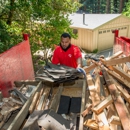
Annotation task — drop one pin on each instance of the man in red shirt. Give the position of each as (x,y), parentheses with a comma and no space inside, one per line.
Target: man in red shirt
(67,53)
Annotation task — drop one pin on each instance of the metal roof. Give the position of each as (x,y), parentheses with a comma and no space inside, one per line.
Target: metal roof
(92,21)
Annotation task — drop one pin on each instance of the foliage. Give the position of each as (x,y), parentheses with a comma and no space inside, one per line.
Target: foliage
(44,20)
(126,11)
(102,6)
(95,51)
(9,35)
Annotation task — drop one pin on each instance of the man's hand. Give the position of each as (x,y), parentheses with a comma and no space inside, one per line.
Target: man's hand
(81,71)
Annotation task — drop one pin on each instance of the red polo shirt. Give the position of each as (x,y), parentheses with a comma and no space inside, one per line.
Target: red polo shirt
(68,58)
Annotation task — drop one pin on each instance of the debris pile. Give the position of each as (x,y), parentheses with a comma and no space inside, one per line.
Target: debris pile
(63,99)
(9,107)
(108,102)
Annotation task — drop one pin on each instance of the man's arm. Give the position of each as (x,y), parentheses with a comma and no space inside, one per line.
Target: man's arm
(79,62)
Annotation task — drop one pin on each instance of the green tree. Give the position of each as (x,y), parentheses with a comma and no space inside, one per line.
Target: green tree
(44,20)
(126,11)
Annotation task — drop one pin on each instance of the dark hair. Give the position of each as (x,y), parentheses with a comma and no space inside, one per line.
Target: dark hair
(65,35)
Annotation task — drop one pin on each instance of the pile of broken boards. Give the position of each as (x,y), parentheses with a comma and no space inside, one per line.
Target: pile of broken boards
(108,99)
(11,106)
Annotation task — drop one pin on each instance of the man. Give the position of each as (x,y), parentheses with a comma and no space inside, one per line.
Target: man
(67,53)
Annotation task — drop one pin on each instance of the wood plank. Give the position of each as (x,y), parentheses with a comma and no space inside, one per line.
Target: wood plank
(82,105)
(119,53)
(89,68)
(46,94)
(121,73)
(123,93)
(119,78)
(118,102)
(125,68)
(95,100)
(93,90)
(115,120)
(103,104)
(86,111)
(34,102)
(19,119)
(116,61)
(91,123)
(56,99)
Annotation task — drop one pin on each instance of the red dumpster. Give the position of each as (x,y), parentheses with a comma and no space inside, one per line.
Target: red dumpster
(15,64)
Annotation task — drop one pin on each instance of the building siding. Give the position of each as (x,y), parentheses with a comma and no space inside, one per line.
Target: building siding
(84,39)
(102,37)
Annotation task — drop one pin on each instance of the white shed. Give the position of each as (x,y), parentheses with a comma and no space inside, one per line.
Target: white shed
(95,30)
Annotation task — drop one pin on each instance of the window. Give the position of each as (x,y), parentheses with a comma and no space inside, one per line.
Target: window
(100,32)
(75,31)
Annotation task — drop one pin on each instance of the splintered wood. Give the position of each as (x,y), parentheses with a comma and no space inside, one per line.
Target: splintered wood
(109,87)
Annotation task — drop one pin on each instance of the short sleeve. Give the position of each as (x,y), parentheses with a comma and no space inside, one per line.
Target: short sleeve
(77,52)
(55,59)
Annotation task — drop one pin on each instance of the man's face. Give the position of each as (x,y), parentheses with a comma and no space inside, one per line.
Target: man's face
(65,42)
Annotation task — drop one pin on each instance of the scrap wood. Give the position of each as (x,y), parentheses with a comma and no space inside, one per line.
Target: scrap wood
(118,102)
(19,119)
(34,102)
(116,61)
(116,55)
(91,124)
(55,101)
(124,93)
(43,98)
(87,110)
(95,100)
(115,120)
(89,68)
(82,105)
(40,94)
(121,73)
(103,104)
(46,93)
(125,68)
(119,78)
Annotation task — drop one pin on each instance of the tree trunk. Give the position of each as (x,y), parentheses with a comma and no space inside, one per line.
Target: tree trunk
(98,7)
(10,16)
(121,6)
(107,6)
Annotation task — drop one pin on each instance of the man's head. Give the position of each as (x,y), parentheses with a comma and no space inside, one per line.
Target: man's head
(65,41)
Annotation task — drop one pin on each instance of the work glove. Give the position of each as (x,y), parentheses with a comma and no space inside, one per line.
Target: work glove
(81,71)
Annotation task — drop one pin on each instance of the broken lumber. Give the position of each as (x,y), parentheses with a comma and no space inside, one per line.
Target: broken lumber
(115,120)
(118,102)
(56,99)
(103,104)
(89,68)
(121,73)
(116,55)
(82,105)
(116,61)
(119,78)
(124,94)
(34,101)
(95,100)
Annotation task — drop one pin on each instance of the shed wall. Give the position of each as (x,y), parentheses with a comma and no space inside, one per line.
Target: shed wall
(102,37)
(84,39)
(105,35)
